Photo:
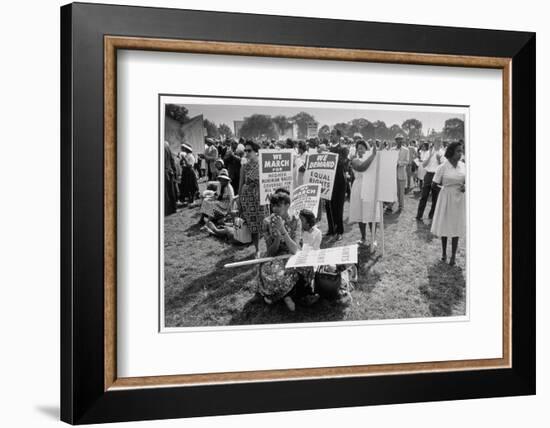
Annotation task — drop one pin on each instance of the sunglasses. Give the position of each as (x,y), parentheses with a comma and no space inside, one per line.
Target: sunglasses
(248,150)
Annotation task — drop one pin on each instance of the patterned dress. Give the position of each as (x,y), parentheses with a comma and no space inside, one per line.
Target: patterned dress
(276,281)
(249,197)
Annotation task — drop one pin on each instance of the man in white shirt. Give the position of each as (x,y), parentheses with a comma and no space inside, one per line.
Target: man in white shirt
(433,158)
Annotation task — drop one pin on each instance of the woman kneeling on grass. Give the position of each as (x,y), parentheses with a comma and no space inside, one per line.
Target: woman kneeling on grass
(282,233)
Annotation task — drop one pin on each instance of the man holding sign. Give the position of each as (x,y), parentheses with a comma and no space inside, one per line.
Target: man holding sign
(321,168)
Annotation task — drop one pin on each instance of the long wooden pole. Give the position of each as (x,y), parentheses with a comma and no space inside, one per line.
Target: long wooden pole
(382,228)
(257,261)
(375,204)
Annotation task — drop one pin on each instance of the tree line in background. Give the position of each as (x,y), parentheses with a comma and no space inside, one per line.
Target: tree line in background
(264,126)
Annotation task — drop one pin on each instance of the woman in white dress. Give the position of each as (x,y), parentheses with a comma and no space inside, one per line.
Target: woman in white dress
(450,212)
(361,210)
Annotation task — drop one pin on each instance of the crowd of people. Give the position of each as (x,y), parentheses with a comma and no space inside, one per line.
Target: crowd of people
(231,171)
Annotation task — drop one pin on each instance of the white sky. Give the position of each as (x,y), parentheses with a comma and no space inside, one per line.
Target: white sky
(325,116)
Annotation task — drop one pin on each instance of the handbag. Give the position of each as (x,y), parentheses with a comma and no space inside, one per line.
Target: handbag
(328,282)
(242,233)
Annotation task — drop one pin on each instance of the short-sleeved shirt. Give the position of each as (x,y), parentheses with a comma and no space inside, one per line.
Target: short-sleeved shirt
(434,163)
(448,175)
(311,239)
(190,159)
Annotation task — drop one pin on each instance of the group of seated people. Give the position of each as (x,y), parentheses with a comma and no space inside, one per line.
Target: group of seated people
(285,233)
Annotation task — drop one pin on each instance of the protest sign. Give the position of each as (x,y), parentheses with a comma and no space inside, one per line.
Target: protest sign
(307,197)
(275,172)
(326,256)
(380,179)
(380,185)
(312,129)
(321,169)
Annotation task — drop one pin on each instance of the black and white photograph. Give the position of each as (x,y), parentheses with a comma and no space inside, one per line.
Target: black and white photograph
(283,211)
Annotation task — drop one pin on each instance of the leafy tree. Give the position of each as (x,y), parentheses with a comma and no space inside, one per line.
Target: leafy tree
(177,112)
(413,128)
(355,125)
(343,128)
(302,119)
(454,129)
(324,132)
(257,126)
(211,129)
(225,130)
(380,130)
(282,123)
(393,131)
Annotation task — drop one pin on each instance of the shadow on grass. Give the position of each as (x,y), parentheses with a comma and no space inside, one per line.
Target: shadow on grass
(367,275)
(391,218)
(193,230)
(218,283)
(423,231)
(256,311)
(445,289)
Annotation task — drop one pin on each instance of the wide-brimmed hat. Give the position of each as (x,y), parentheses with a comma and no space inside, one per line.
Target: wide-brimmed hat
(224,174)
(399,136)
(187,147)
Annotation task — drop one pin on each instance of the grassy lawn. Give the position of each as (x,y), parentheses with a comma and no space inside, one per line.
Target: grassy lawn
(409,282)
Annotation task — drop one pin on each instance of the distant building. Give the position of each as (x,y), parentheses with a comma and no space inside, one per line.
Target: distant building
(237,124)
(291,132)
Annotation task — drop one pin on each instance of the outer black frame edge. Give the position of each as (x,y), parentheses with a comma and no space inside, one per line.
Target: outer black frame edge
(524,213)
(82,397)
(66,369)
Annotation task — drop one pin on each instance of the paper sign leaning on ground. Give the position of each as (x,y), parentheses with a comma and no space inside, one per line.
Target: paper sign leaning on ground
(306,196)
(275,172)
(386,180)
(321,168)
(326,256)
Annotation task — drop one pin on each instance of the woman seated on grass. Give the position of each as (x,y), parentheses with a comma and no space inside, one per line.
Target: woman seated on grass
(215,209)
(304,292)
(281,232)
(311,234)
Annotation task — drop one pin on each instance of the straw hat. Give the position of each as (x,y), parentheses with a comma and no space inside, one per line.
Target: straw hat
(224,174)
